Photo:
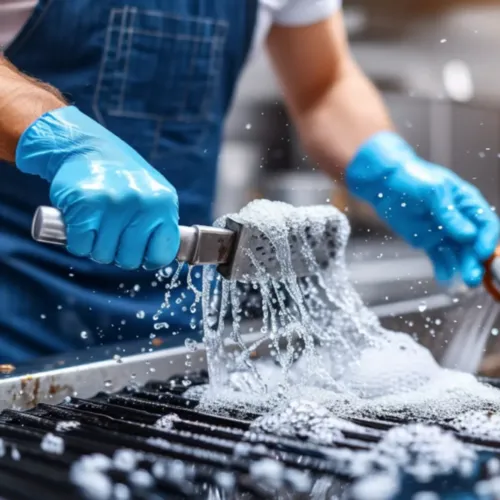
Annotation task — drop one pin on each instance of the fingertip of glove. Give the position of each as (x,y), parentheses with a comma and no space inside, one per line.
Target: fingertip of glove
(473,277)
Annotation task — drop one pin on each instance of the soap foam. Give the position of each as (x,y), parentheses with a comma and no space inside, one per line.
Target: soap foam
(326,345)
(305,420)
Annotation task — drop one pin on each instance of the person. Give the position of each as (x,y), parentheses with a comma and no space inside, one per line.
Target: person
(127,148)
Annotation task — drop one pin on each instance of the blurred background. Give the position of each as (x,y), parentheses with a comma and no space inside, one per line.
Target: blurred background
(437,64)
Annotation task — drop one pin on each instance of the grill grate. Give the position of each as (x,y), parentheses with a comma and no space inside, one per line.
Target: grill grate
(209,446)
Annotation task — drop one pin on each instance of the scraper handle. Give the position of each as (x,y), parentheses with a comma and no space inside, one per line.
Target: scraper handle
(199,244)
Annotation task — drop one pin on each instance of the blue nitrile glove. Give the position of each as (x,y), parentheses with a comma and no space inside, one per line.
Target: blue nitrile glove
(427,205)
(117,208)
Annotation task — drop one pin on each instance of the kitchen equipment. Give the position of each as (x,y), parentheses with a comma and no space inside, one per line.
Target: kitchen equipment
(153,427)
(228,247)
(153,441)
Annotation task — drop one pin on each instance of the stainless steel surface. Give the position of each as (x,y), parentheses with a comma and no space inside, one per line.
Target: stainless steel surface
(48,226)
(102,369)
(199,244)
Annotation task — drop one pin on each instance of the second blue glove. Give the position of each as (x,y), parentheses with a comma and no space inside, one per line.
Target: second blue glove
(429,206)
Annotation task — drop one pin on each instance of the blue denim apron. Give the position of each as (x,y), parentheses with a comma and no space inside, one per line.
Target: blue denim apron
(158,73)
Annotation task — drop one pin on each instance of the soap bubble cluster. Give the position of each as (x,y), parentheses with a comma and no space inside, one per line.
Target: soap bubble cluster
(325,345)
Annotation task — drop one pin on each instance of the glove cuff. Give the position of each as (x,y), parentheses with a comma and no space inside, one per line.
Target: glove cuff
(375,161)
(45,144)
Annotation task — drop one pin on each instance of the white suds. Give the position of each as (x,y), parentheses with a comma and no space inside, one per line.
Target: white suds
(325,345)
(478,423)
(268,472)
(52,444)
(88,473)
(125,460)
(304,420)
(376,487)
(141,478)
(67,425)
(423,451)
(167,421)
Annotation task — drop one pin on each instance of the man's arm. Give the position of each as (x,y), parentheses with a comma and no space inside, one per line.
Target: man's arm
(117,208)
(344,125)
(334,106)
(22,101)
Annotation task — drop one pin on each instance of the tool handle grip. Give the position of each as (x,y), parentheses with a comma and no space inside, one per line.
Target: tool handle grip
(48,227)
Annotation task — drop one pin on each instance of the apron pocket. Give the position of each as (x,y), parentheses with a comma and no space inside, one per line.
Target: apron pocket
(160,66)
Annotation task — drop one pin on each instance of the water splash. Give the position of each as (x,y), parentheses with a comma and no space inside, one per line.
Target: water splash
(325,345)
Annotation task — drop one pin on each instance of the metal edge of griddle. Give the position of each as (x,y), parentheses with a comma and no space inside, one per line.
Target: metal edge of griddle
(111,374)
(83,378)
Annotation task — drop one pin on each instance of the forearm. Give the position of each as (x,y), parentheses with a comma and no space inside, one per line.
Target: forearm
(341,119)
(22,101)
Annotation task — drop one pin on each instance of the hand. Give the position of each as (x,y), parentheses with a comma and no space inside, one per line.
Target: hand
(427,205)
(117,208)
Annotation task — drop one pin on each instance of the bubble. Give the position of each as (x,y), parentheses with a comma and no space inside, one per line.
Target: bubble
(327,346)
(191,345)
(84,335)
(159,326)
(141,314)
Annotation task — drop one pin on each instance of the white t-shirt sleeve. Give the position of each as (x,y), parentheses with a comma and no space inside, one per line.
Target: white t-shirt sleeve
(305,12)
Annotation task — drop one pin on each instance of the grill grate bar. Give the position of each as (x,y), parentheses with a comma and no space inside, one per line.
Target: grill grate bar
(187,414)
(207,443)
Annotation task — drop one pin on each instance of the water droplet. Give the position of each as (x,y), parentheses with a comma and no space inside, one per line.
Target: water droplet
(84,335)
(191,345)
(108,384)
(248,126)
(159,326)
(422,307)
(141,314)
(118,358)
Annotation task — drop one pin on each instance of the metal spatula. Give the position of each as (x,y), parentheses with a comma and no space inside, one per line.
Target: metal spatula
(228,247)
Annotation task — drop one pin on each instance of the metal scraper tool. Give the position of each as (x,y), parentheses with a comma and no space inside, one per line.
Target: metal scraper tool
(229,248)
